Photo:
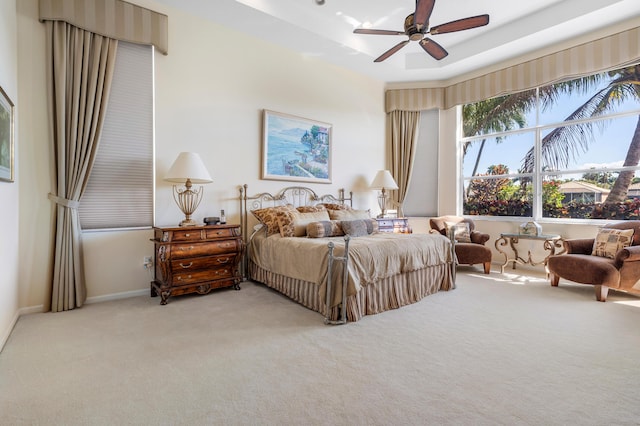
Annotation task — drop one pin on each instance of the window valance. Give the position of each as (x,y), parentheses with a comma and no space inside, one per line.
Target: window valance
(600,55)
(116,19)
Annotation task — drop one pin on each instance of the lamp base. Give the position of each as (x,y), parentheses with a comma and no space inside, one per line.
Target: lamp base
(188,222)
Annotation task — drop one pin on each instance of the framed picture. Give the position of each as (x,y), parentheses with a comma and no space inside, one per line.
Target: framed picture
(295,148)
(7,136)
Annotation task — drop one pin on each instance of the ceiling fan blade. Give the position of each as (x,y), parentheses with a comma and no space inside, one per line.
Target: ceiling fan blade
(423,12)
(391,51)
(460,25)
(433,48)
(377,32)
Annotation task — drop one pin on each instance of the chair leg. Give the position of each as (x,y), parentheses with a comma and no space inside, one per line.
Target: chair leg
(487,267)
(601,293)
(554,279)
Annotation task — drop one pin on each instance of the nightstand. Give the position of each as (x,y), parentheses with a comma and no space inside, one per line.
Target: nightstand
(398,225)
(196,259)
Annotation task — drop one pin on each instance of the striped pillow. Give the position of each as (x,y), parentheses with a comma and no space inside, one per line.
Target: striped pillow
(359,227)
(325,228)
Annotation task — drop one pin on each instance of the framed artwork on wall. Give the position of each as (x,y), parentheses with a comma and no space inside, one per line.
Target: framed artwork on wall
(295,148)
(7,136)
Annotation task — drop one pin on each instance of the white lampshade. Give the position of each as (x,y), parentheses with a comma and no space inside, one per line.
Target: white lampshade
(188,165)
(383,180)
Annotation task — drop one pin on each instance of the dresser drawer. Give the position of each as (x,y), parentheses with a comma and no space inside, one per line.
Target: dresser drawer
(190,277)
(214,233)
(181,251)
(196,263)
(187,235)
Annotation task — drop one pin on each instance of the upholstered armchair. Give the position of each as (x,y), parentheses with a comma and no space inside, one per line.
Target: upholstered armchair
(611,266)
(469,248)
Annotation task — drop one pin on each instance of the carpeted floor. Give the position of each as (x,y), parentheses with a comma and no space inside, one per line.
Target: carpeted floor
(500,349)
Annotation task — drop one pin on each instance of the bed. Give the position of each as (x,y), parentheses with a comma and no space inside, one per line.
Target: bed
(296,245)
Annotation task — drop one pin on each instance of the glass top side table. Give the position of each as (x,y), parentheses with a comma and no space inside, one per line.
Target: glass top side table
(550,243)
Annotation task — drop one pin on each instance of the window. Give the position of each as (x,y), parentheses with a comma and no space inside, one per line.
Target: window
(119,193)
(566,150)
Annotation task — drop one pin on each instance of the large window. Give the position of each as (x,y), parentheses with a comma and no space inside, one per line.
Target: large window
(567,150)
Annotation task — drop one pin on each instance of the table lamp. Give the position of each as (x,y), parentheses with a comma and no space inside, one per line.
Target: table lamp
(383,181)
(188,169)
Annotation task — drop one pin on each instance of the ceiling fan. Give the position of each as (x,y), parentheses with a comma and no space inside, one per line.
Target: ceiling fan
(416,26)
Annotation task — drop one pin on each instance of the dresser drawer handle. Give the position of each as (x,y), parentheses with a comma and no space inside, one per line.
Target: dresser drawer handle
(180,278)
(224,260)
(224,271)
(186,266)
(187,235)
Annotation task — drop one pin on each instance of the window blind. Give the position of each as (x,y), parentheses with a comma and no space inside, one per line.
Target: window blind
(119,193)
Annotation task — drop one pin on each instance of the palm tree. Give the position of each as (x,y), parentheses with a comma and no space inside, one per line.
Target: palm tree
(559,146)
(493,116)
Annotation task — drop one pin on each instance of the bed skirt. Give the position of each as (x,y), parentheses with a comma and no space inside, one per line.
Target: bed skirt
(386,294)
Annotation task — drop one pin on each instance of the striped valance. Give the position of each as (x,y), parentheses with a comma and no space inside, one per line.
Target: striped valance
(600,55)
(115,19)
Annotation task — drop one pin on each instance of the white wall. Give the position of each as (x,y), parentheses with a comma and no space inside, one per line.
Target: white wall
(210,93)
(9,192)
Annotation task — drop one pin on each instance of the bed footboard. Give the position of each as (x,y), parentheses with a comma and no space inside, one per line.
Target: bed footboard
(343,300)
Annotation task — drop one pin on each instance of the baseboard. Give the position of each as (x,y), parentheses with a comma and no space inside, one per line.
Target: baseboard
(117,296)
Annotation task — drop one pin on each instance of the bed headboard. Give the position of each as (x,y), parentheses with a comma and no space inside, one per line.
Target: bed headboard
(296,195)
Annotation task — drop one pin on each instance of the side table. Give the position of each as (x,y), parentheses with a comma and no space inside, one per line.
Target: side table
(398,225)
(196,259)
(550,243)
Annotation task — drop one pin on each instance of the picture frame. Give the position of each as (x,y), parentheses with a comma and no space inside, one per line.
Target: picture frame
(7,138)
(295,148)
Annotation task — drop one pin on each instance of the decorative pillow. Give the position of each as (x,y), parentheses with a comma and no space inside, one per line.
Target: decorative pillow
(311,209)
(610,241)
(359,227)
(268,217)
(286,220)
(349,214)
(461,232)
(301,220)
(326,228)
(336,206)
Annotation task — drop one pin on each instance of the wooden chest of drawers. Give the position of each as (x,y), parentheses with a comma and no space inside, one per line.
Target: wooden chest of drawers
(196,259)
(399,225)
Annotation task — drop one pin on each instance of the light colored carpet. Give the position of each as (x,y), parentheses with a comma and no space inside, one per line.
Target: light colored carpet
(503,349)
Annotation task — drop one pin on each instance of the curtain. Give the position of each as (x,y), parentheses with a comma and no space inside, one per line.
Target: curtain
(81,67)
(403,136)
(607,53)
(115,19)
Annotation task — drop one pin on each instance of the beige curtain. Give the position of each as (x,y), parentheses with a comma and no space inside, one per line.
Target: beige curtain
(403,136)
(81,67)
(607,53)
(115,19)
